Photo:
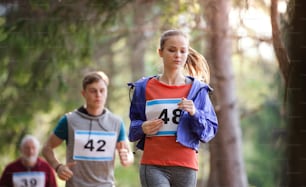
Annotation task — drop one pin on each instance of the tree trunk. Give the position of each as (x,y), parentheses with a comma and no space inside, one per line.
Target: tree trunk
(137,39)
(227,165)
(278,45)
(296,94)
(137,46)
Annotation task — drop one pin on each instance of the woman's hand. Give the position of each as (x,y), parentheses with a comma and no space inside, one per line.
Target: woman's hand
(187,105)
(151,127)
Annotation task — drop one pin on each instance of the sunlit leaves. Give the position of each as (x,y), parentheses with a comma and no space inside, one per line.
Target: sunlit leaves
(41,44)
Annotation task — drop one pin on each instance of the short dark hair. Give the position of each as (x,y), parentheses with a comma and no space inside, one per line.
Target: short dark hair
(94,76)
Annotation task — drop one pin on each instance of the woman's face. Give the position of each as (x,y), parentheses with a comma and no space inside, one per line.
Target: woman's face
(174,52)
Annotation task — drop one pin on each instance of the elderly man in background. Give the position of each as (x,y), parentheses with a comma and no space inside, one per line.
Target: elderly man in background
(29,169)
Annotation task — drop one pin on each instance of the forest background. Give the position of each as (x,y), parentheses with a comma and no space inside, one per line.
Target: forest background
(46,47)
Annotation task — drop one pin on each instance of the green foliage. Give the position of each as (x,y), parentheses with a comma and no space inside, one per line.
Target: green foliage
(43,47)
(262,123)
(263,152)
(177,14)
(127,176)
(47,46)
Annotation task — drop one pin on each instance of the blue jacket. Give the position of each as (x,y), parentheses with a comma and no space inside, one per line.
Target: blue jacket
(191,130)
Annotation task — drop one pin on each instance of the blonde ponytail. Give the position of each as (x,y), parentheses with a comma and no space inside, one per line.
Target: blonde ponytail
(197,66)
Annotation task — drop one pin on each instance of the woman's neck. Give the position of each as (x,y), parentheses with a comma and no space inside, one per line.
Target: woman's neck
(173,79)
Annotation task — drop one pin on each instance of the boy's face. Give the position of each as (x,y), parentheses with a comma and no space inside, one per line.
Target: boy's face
(95,95)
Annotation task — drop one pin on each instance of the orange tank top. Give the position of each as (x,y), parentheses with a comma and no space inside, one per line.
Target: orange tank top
(162,149)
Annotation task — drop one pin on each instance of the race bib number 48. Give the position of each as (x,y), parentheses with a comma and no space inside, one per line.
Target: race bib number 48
(167,110)
(94,145)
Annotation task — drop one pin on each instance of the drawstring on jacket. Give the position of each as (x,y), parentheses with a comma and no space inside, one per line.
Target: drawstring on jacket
(90,129)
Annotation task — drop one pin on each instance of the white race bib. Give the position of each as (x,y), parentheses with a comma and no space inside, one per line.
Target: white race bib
(167,110)
(29,179)
(94,145)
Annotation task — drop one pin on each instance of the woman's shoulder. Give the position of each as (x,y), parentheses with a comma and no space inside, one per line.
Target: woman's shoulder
(141,81)
(200,84)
